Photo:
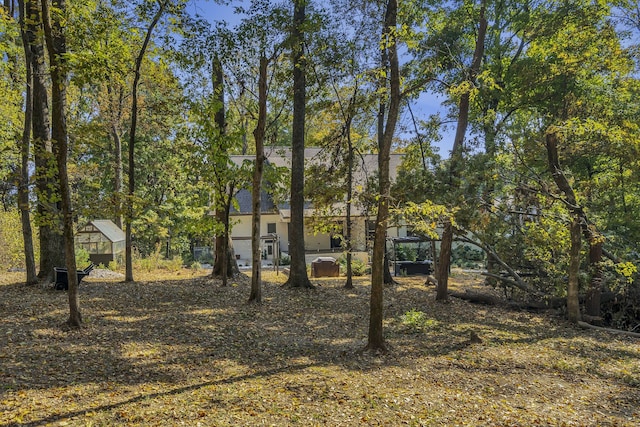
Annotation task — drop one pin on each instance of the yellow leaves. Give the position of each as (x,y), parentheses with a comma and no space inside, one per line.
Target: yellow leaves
(627,270)
(425,217)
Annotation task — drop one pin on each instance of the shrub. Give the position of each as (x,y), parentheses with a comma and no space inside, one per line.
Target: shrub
(358,267)
(82,257)
(467,257)
(417,321)
(11,241)
(284,260)
(174,264)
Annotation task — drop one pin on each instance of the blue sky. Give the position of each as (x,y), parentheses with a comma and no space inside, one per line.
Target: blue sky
(422,108)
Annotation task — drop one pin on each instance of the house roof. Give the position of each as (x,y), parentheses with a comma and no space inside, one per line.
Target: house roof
(244,198)
(366,165)
(109,229)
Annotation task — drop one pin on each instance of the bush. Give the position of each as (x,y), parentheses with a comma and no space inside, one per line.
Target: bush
(358,267)
(11,241)
(82,258)
(284,260)
(466,257)
(416,321)
(174,264)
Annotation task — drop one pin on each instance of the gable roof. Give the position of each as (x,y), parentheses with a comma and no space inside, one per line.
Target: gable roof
(109,229)
(244,199)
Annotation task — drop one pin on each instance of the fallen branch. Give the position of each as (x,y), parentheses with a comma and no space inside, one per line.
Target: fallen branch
(516,283)
(486,299)
(586,325)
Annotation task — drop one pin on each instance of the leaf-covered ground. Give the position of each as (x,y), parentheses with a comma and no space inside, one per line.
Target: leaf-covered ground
(186,351)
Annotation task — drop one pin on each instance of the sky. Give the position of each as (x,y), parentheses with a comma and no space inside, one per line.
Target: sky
(422,108)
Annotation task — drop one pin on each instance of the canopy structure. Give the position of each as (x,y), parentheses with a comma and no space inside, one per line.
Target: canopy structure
(412,255)
(104,241)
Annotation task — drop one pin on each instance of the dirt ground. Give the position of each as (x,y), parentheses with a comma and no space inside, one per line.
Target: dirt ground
(182,350)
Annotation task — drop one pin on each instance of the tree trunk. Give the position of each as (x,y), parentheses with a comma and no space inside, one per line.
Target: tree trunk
(225,265)
(349,247)
(48,218)
(258,134)
(592,303)
(132,141)
(588,230)
(56,44)
(376,313)
(23,192)
(298,269)
(219,258)
(116,106)
(573,304)
(9,7)
(444,262)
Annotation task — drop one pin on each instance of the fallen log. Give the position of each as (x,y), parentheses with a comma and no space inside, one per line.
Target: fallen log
(477,298)
(486,299)
(586,325)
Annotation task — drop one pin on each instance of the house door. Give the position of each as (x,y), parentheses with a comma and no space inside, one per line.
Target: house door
(336,236)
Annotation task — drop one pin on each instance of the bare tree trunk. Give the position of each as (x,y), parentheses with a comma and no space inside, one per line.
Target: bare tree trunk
(116,106)
(224,265)
(51,244)
(573,304)
(594,238)
(56,44)
(349,247)
(117,179)
(23,192)
(10,7)
(258,134)
(594,293)
(444,262)
(376,338)
(298,269)
(132,141)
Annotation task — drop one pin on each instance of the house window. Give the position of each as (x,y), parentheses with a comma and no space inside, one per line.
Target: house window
(371,229)
(271,227)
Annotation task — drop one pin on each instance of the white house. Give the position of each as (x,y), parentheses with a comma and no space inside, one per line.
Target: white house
(275,218)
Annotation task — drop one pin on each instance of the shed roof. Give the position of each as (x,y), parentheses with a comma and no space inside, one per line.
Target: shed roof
(109,229)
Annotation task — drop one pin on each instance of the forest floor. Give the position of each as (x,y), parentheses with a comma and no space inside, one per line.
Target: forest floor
(182,350)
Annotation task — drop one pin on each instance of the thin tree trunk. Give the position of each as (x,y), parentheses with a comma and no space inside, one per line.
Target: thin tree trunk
(298,269)
(258,134)
(116,115)
(132,141)
(594,238)
(349,247)
(594,293)
(444,262)
(573,305)
(117,179)
(23,192)
(376,338)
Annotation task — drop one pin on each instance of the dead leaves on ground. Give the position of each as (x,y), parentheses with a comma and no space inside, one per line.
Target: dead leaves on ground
(167,352)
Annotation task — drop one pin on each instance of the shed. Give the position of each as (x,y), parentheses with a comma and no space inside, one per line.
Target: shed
(104,241)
